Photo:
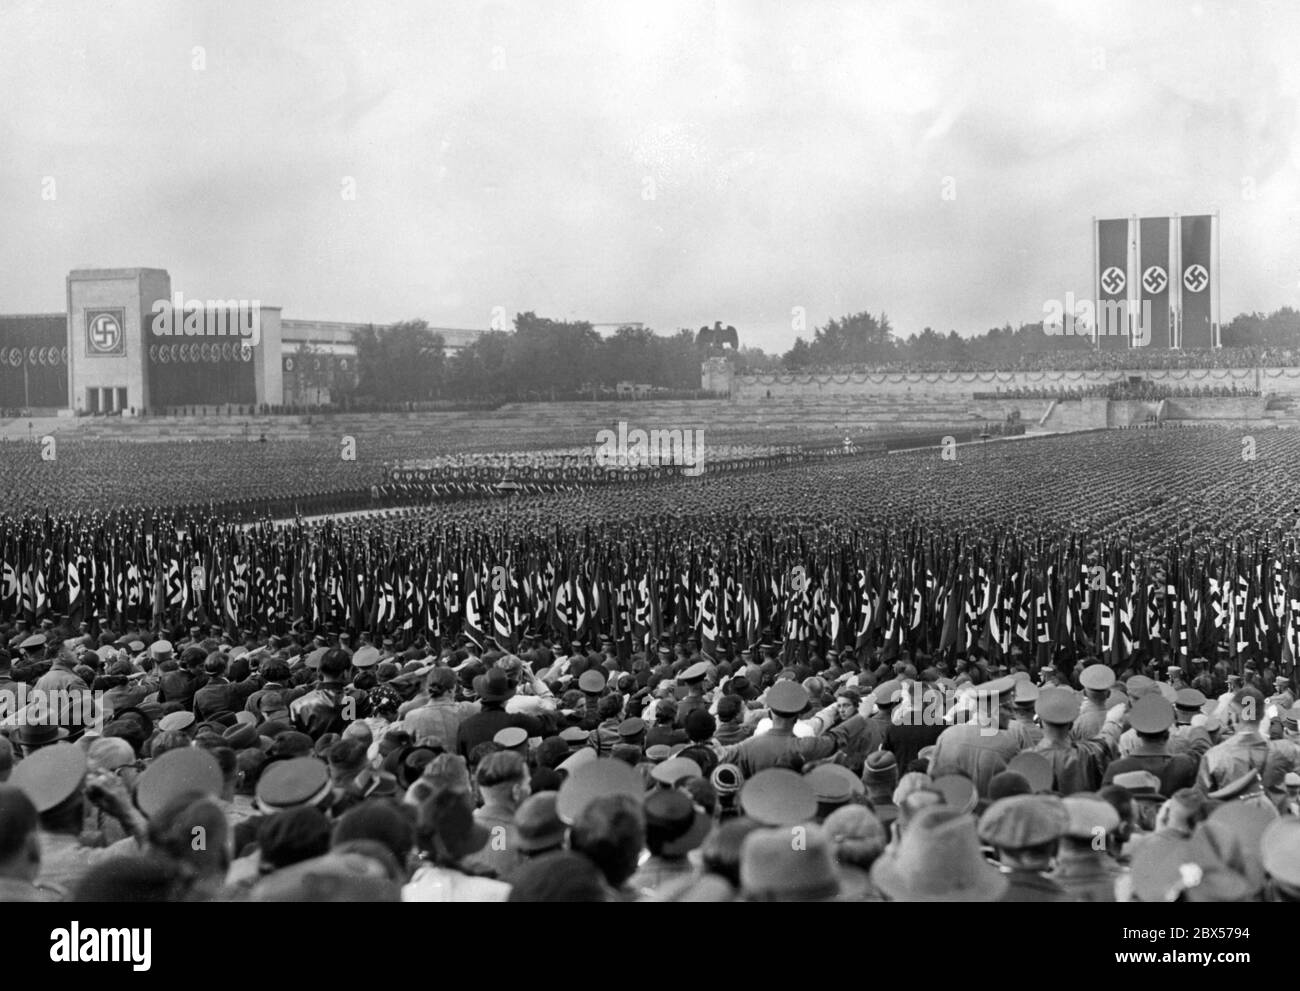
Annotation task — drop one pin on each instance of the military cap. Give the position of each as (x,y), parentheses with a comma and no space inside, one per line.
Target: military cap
(675,769)
(1151,714)
(695,672)
(1026,692)
(51,775)
(1292,780)
(888,693)
(1059,706)
(1034,768)
(32,642)
(288,784)
(778,797)
(592,682)
(1098,677)
(1167,691)
(1137,781)
(1281,681)
(176,721)
(787,698)
(1189,699)
(1174,671)
(1292,717)
(1023,821)
(1138,686)
(160,648)
(136,646)
(659,753)
(575,760)
(594,779)
(574,734)
(1089,816)
(1279,849)
(176,772)
(511,737)
(631,728)
(998,686)
(365,657)
(958,791)
(834,783)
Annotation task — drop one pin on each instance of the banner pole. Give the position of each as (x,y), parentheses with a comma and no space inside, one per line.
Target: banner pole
(1135,274)
(1096,283)
(1176,277)
(1218,283)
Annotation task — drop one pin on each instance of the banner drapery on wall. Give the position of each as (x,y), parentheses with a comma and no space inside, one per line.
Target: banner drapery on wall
(1154,284)
(1112,290)
(34,361)
(1194,289)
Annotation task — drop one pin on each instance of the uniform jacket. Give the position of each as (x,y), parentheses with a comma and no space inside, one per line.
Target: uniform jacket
(777,746)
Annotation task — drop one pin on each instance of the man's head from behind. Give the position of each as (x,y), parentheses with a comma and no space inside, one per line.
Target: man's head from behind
(611,831)
(20,848)
(503,777)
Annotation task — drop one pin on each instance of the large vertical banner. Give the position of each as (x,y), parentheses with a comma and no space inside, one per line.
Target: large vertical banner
(1112,284)
(1195,243)
(1154,284)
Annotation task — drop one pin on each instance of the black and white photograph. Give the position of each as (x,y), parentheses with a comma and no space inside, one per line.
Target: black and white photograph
(725,451)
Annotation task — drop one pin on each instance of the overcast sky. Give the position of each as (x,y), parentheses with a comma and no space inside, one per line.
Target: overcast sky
(674,163)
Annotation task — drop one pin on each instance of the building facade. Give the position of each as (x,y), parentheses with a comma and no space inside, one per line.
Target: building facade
(126,344)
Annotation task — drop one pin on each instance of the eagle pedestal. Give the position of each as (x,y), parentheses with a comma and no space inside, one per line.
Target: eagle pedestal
(716,375)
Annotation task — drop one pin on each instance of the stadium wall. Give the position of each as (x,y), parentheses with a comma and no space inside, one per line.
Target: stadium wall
(963,385)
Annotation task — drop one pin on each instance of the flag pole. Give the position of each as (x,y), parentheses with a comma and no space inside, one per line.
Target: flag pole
(1135,274)
(1096,281)
(1218,284)
(1176,277)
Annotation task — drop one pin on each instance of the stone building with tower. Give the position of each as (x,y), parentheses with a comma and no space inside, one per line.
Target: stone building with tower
(126,344)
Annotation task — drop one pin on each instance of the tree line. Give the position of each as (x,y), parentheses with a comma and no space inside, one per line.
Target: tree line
(542,358)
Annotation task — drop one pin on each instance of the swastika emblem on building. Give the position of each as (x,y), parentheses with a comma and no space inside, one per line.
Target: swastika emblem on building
(1154,280)
(1196,278)
(1113,281)
(104,332)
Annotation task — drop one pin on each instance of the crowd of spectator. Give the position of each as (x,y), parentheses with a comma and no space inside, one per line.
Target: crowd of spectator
(1087,360)
(1144,391)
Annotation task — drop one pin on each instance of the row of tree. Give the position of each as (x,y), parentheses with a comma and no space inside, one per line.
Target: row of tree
(867,339)
(539,358)
(544,358)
